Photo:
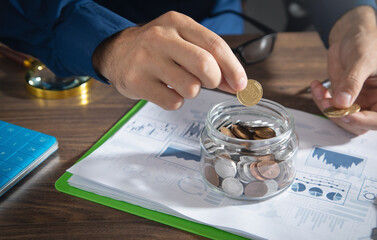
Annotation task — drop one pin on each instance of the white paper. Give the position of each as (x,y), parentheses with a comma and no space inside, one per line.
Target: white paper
(153,162)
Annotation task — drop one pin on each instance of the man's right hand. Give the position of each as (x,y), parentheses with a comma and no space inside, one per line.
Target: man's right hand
(167,60)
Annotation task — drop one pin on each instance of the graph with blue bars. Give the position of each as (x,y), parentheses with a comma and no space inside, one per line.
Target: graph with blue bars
(180,154)
(335,161)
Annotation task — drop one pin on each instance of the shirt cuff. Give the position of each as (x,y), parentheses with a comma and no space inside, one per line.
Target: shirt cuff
(84,28)
(325,13)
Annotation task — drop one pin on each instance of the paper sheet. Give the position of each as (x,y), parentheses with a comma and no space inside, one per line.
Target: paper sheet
(153,162)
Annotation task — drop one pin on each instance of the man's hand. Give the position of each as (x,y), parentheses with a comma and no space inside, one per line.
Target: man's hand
(168,60)
(352,69)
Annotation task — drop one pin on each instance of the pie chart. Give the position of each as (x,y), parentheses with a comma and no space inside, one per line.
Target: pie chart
(316,192)
(298,187)
(334,196)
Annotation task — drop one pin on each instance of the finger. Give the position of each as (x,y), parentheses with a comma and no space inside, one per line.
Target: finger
(320,95)
(230,67)
(151,90)
(347,89)
(366,120)
(357,123)
(224,86)
(351,124)
(164,96)
(196,60)
(183,82)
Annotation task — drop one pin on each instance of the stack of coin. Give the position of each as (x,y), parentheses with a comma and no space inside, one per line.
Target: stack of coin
(248,175)
(243,131)
(251,178)
(334,112)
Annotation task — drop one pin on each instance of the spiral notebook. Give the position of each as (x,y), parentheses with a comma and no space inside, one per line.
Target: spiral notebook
(333,194)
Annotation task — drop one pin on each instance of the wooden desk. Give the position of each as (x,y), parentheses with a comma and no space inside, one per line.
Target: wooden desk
(33,209)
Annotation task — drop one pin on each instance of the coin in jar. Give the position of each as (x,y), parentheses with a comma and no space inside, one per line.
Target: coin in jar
(211,175)
(256,189)
(254,171)
(265,132)
(272,186)
(226,131)
(252,94)
(241,132)
(267,157)
(232,187)
(225,168)
(268,169)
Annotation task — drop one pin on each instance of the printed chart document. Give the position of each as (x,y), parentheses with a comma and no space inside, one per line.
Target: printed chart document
(153,162)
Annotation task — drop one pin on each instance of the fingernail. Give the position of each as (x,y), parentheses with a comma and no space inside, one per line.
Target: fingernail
(243,82)
(343,99)
(317,93)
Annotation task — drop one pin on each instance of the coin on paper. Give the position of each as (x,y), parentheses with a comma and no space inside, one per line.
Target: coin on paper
(252,94)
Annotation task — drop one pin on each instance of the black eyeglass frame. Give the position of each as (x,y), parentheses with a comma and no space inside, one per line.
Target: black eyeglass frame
(268,33)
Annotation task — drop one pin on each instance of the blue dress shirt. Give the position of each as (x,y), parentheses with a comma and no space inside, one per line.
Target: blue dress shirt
(63,34)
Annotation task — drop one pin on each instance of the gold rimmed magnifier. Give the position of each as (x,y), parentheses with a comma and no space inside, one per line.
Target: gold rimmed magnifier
(41,82)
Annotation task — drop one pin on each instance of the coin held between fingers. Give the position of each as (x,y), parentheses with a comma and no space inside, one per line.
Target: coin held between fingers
(334,112)
(252,94)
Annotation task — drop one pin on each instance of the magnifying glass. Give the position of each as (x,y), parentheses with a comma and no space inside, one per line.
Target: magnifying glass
(43,83)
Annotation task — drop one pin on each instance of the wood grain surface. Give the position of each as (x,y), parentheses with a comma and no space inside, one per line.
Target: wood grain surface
(34,209)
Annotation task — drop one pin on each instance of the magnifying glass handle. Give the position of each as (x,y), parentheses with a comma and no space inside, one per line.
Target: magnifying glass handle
(18,57)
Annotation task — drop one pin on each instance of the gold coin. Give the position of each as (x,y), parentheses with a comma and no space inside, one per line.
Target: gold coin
(241,132)
(354,108)
(335,112)
(227,131)
(265,132)
(252,94)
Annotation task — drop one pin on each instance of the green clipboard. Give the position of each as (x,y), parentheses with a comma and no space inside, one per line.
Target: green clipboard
(199,229)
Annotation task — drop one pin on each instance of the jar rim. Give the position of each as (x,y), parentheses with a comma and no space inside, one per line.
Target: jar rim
(243,143)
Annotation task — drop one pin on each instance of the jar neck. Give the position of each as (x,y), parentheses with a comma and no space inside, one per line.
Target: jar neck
(225,111)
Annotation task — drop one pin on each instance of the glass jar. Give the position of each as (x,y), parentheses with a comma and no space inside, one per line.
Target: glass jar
(248,169)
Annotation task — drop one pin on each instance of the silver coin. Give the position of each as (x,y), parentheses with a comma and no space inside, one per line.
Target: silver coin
(246,169)
(232,187)
(248,159)
(225,168)
(272,186)
(256,189)
(241,174)
(283,172)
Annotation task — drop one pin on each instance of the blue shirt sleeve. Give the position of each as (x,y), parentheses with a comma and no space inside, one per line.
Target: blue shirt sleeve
(326,12)
(225,24)
(62,34)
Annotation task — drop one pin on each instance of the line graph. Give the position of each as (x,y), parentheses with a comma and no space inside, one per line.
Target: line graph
(336,161)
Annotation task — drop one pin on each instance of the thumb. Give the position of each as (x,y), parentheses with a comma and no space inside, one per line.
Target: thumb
(346,91)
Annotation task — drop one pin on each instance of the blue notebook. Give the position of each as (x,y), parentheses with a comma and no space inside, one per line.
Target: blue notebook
(21,150)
